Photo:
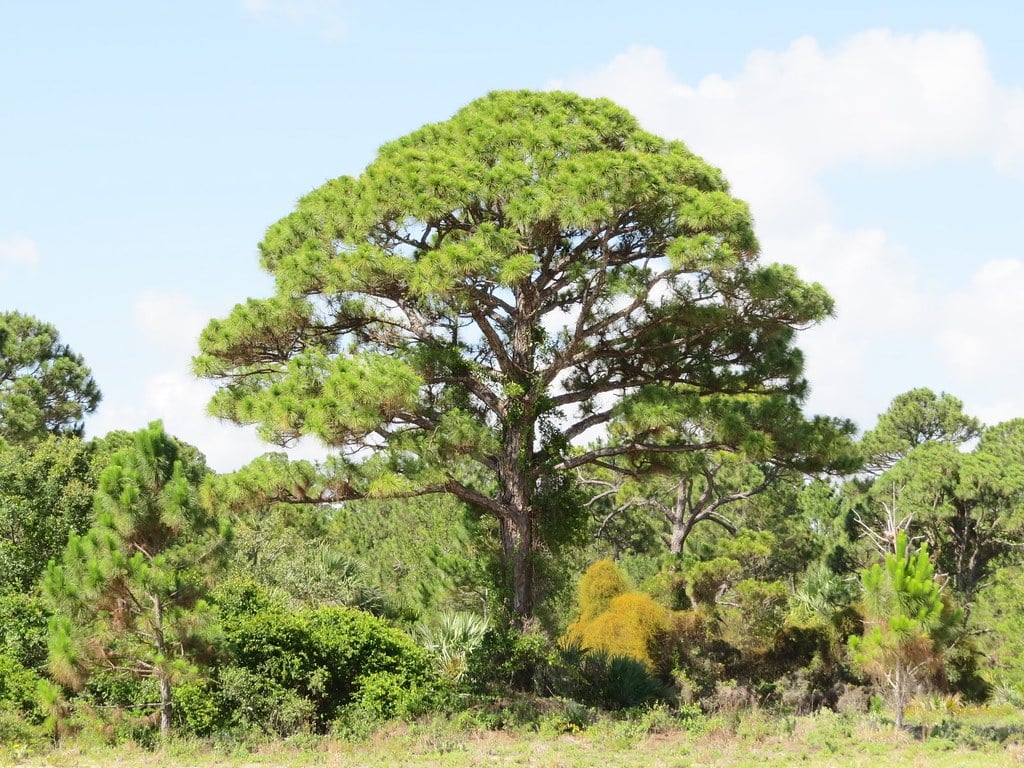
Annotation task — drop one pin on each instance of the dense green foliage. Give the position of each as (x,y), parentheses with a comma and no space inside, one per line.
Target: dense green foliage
(321,659)
(467,306)
(45,388)
(127,595)
(46,494)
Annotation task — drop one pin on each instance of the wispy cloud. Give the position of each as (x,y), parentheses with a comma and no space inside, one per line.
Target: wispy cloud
(171,323)
(326,18)
(18,250)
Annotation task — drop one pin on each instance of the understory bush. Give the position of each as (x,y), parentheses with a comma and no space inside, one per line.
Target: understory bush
(300,668)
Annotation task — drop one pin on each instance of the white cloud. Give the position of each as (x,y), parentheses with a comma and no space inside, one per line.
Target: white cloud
(170,324)
(325,17)
(980,328)
(18,250)
(878,99)
(172,321)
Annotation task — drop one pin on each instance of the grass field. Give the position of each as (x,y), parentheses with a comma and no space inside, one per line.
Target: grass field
(751,741)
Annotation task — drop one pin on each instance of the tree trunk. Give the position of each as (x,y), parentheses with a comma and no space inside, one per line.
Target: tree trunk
(517,549)
(680,517)
(165,681)
(165,706)
(517,524)
(900,693)
(515,463)
(677,538)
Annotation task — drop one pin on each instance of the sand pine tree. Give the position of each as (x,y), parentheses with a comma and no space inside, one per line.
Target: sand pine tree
(491,289)
(128,593)
(907,623)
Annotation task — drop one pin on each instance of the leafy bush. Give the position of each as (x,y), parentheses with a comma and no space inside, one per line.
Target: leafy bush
(509,659)
(325,657)
(20,735)
(112,689)
(23,633)
(198,708)
(252,702)
(384,695)
(17,684)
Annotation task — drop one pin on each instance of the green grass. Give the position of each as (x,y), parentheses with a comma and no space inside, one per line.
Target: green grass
(751,740)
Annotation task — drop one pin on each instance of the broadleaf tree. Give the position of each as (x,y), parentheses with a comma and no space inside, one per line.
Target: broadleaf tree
(46,494)
(490,290)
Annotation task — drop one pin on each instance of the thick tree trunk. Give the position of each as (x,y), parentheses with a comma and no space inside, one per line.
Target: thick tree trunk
(517,524)
(517,546)
(515,464)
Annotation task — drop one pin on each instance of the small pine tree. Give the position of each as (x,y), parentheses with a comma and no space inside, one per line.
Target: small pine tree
(127,596)
(907,623)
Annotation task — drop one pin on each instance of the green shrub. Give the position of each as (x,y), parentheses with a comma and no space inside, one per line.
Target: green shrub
(113,689)
(325,656)
(384,695)
(17,684)
(23,630)
(509,659)
(20,735)
(252,702)
(198,708)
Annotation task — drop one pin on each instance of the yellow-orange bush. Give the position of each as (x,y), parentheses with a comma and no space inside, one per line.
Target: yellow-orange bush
(601,583)
(615,620)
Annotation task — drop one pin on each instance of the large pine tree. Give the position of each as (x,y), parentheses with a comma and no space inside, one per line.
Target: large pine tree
(490,290)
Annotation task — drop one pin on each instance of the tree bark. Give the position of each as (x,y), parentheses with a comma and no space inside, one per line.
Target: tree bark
(165,682)
(515,462)
(900,691)
(517,546)
(517,523)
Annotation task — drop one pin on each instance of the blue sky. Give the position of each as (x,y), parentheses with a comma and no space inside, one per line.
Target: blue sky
(145,147)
